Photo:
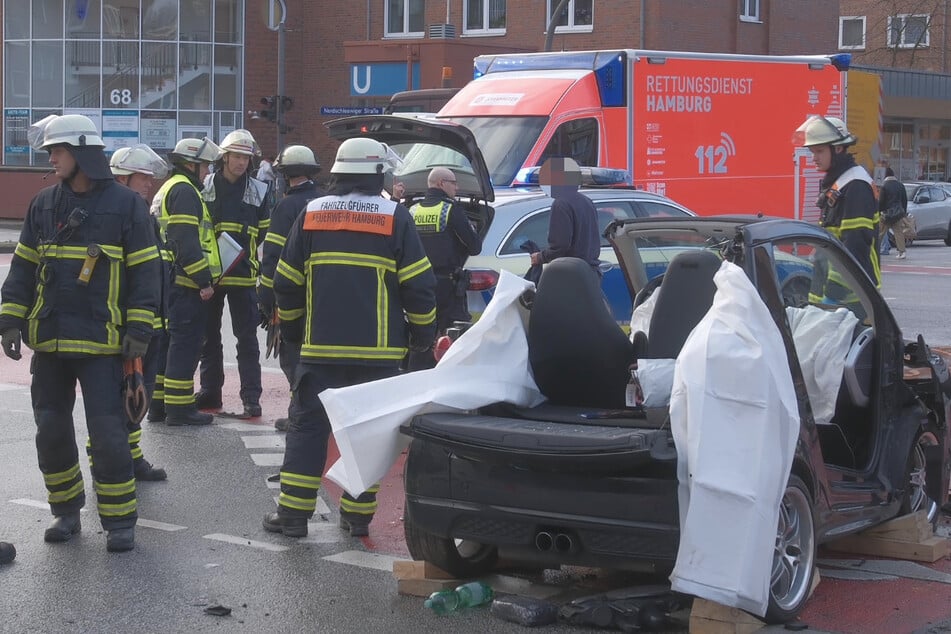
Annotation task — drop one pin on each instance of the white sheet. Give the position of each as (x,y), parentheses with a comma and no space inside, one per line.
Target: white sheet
(487,364)
(735,423)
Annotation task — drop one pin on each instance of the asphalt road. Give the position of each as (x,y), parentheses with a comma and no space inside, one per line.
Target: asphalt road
(200,542)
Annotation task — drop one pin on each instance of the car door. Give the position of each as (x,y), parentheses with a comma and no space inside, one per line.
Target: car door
(932,212)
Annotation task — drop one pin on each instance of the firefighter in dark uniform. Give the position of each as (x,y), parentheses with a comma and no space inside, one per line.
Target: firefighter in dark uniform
(137,168)
(299,167)
(354,286)
(83,289)
(449,240)
(847,205)
(239,205)
(189,233)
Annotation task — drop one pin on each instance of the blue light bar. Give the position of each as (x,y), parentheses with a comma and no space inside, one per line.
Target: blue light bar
(609,71)
(590,176)
(841,61)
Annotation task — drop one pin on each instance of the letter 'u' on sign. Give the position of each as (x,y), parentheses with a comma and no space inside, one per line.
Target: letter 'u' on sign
(276,14)
(357,87)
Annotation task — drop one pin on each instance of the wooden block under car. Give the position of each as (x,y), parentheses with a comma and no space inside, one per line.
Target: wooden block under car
(406,569)
(913,527)
(424,587)
(421,578)
(707,617)
(929,550)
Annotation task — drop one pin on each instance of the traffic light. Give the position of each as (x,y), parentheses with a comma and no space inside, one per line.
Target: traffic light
(269,111)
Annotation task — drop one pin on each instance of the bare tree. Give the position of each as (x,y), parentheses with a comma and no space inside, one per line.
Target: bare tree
(900,32)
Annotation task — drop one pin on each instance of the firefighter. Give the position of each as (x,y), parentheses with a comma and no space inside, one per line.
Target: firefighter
(355,288)
(239,206)
(448,239)
(137,168)
(83,289)
(299,167)
(847,205)
(189,233)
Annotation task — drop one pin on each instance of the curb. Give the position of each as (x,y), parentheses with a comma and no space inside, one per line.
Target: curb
(8,247)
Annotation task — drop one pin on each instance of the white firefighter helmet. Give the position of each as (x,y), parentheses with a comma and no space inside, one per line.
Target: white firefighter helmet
(70,129)
(138,159)
(364,156)
(196,151)
(818,130)
(240,141)
(296,156)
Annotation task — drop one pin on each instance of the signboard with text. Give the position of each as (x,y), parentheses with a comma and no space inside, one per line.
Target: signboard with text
(381,79)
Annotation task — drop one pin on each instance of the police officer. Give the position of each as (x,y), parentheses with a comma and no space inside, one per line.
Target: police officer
(239,206)
(83,287)
(847,203)
(355,272)
(137,168)
(299,167)
(448,239)
(189,233)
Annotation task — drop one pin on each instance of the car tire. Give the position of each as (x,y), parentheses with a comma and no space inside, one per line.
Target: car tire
(916,496)
(947,236)
(794,556)
(460,557)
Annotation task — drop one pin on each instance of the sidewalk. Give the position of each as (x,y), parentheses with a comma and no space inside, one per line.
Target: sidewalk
(9,234)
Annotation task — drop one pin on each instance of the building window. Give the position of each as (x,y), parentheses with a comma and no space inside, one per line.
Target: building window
(577,15)
(852,32)
(404,18)
(484,16)
(908,31)
(749,11)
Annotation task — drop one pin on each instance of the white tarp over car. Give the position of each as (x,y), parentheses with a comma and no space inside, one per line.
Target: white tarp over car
(735,422)
(487,364)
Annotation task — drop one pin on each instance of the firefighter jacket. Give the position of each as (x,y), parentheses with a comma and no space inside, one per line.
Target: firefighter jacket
(282,219)
(849,212)
(445,231)
(353,284)
(188,231)
(242,210)
(85,271)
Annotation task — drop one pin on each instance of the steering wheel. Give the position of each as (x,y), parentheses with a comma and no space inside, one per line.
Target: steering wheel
(648,290)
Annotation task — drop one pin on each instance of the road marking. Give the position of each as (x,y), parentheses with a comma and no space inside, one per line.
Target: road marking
(241,541)
(246,427)
(34,503)
(363,559)
(162,526)
(322,508)
(268,459)
(6,387)
(854,575)
(264,369)
(270,441)
(906,569)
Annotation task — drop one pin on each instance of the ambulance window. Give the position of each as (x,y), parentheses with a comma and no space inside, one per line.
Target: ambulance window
(577,139)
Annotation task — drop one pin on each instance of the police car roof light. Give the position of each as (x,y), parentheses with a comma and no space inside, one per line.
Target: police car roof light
(842,61)
(590,177)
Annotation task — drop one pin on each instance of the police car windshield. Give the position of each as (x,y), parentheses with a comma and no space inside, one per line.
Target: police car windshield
(505,143)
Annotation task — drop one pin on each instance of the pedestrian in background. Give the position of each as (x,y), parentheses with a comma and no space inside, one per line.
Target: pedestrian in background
(189,233)
(449,239)
(239,206)
(356,290)
(84,287)
(893,208)
(299,167)
(137,168)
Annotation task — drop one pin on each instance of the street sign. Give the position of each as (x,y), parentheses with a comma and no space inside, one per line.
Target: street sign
(346,111)
(276,13)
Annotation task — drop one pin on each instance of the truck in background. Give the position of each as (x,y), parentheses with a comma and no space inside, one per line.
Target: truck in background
(711,131)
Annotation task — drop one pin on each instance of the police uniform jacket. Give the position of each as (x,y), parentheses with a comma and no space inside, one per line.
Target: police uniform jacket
(185,210)
(242,210)
(850,213)
(446,233)
(85,271)
(282,219)
(353,282)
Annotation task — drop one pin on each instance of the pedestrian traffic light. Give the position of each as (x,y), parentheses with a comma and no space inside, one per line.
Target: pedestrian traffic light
(269,111)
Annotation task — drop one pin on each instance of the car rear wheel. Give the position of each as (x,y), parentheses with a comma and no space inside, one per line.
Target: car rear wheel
(459,557)
(794,556)
(916,492)
(947,236)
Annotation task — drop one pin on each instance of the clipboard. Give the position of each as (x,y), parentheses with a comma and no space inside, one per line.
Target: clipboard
(230,253)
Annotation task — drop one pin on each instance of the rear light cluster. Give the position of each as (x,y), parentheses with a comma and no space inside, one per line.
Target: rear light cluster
(441,347)
(482,279)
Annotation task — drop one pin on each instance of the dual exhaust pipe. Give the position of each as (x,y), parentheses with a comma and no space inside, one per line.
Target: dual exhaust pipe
(559,542)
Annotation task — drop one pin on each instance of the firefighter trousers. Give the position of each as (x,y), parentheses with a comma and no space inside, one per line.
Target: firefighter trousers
(186,333)
(53,392)
(305,454)
(289,357)
(243,306)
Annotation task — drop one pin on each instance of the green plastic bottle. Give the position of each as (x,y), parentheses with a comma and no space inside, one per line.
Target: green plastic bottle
(465,596)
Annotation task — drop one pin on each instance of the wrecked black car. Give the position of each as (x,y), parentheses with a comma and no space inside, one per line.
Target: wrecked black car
(584,479)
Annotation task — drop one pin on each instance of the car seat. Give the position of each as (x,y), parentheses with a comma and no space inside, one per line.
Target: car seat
(684,297)
(578,353)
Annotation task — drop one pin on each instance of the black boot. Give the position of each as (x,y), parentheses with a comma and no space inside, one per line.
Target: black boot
(63,528)
(286,524)
(252,410)
(282,424)
(207,400)
(7,553)
(356,528)
(177,416)
(120,540)
(145,472)
(156,412)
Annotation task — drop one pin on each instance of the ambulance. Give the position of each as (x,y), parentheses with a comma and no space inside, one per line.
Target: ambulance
(711,131)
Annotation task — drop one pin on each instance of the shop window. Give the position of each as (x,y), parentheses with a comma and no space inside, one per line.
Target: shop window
(159,70)
(82,80)
(227,81)
(484,16)
(851,32)
(82,19)
(196,21)
(577,15)
(47,89)
(405,18)
(16,20)
(228,24)
(120,75)
(908,31)
(120,19)
(159,20)
(16,74)
(47,19)
(194,81)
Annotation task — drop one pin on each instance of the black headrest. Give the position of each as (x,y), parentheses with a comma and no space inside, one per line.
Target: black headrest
(684,297)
